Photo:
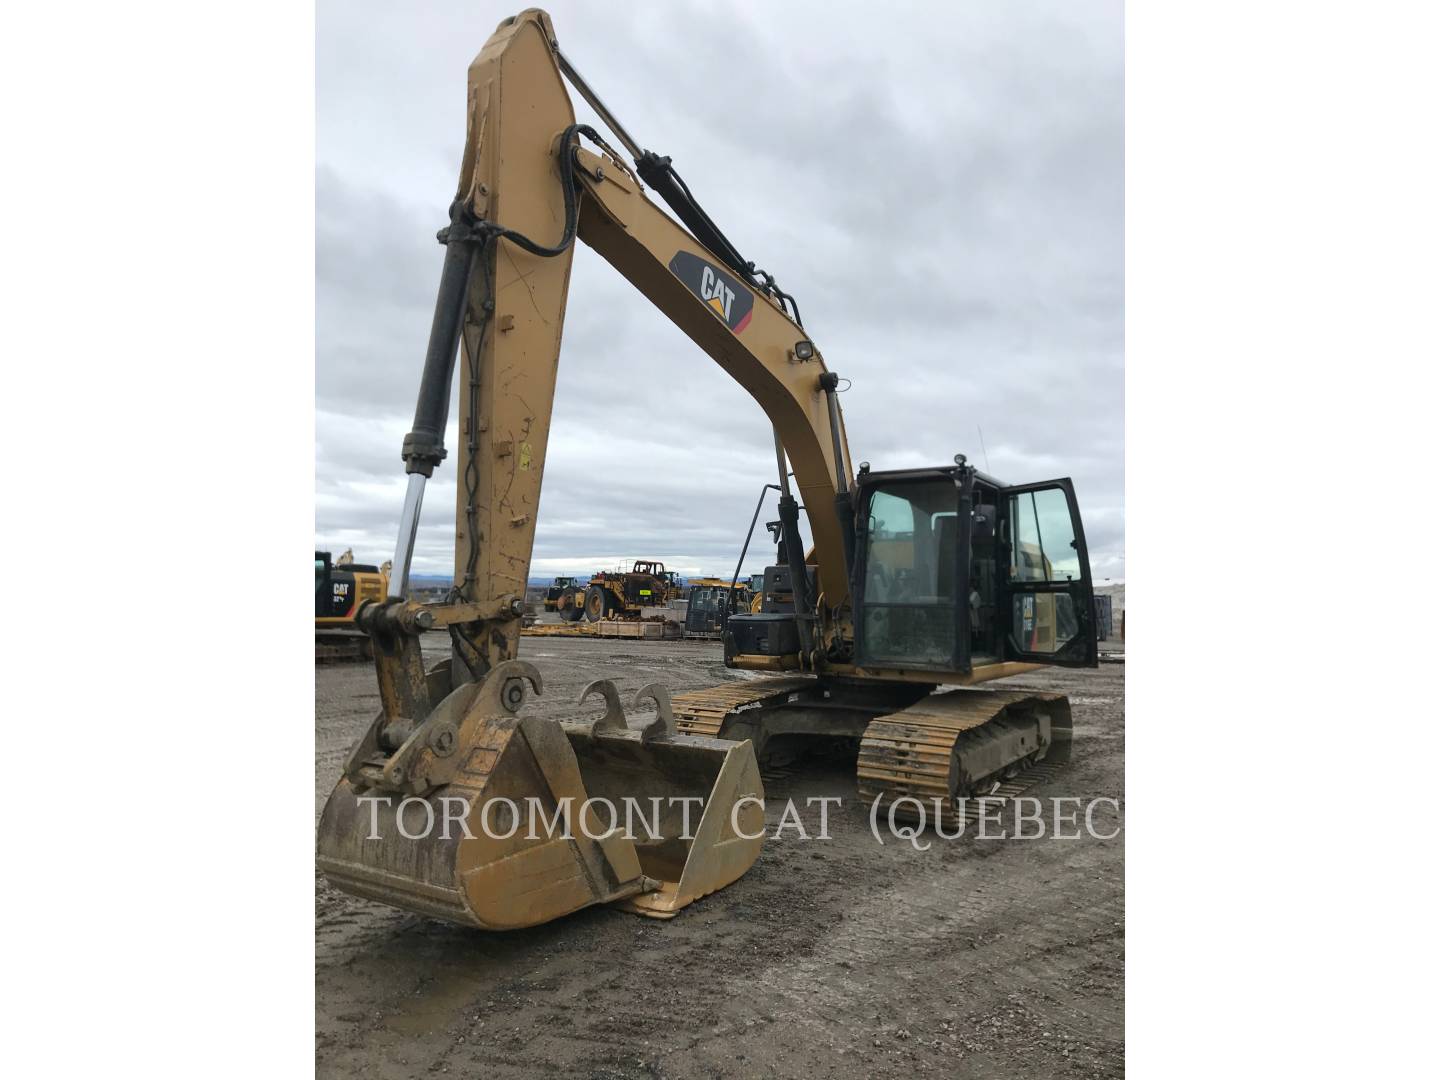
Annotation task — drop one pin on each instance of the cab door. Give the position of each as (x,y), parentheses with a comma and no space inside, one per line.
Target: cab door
(1047,598)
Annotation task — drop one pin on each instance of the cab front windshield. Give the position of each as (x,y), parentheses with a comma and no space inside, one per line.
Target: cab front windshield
(910,595)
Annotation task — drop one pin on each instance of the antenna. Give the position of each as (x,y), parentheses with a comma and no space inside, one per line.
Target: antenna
(983,452)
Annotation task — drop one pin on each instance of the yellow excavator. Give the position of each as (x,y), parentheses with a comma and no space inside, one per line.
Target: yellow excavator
(920,584)
(711,601)
(341,586)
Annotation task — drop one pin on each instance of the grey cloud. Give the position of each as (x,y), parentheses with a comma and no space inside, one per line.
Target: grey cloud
(941,187)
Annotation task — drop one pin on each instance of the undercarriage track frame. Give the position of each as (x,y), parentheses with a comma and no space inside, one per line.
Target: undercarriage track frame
(917,750)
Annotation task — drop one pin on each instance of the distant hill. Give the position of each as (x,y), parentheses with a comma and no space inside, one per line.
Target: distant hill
(440,581)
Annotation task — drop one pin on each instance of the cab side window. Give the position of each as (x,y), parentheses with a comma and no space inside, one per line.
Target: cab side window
(1043,537)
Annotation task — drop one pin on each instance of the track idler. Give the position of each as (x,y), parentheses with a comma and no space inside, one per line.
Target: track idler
(486,817)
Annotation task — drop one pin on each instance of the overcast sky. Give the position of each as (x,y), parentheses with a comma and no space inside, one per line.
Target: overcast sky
(939,185)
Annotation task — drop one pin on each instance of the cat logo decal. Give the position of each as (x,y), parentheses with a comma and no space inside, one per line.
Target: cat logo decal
(732,302)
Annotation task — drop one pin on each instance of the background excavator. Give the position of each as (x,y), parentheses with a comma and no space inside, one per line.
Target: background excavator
(920,583)
(711,601)
(341,586)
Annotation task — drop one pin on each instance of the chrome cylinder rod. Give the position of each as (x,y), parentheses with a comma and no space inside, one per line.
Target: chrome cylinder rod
(405,545)
(607,117)
(780,461)
(842,484)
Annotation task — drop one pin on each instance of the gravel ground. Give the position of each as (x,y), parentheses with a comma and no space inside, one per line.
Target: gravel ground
(835,958)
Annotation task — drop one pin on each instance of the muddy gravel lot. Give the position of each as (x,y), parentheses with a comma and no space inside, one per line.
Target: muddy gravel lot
(833,958)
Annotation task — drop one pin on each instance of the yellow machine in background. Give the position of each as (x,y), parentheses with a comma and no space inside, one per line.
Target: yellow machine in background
(560,597)
(710,602)
(341,587)
(913,581)
(625,594)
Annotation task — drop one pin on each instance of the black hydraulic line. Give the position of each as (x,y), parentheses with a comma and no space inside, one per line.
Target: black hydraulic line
(794,553)
(424,446)
(666,182)
(466,241)
(828,382)
(844,501)
(746,547)
(657,171)
(845,515)
(799,579)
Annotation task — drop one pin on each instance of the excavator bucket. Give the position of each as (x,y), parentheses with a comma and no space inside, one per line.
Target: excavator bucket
(690,847)
(484,817)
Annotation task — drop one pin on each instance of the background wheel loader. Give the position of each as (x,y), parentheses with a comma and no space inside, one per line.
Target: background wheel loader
(561,598)
(920,584)
(555,590)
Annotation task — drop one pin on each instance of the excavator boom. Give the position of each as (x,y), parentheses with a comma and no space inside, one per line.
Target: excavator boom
(531,182)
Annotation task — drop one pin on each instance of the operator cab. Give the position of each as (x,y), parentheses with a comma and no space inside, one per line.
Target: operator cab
(710,606)
(954,569)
